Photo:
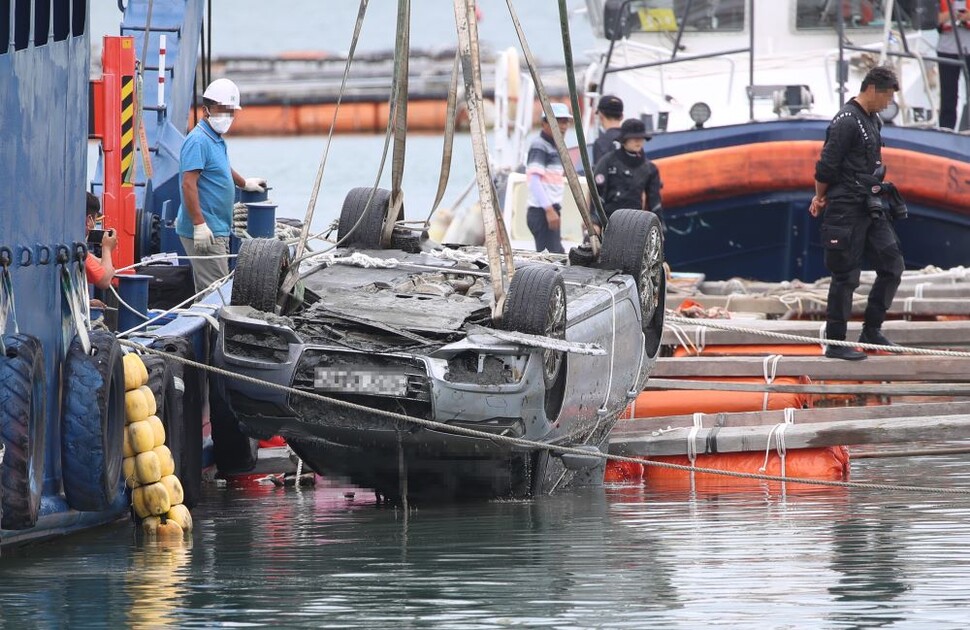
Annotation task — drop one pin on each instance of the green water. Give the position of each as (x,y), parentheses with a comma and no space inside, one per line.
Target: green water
(620,557)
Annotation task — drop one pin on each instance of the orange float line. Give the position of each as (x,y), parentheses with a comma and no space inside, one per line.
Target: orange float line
(931,180)
(829,463)
(315,118)
(655,404)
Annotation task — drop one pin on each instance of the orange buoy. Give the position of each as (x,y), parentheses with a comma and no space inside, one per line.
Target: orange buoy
(828,463)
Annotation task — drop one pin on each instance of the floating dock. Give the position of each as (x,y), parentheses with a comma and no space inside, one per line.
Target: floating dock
(767,338)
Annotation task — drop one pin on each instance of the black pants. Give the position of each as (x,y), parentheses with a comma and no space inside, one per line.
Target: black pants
(950,77)
(849,236)
(546,238)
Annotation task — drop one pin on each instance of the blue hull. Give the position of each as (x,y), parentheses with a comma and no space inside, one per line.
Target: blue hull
(769,235)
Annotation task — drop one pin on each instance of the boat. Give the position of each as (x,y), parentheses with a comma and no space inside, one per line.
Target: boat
(62,380)
(429,372)
(738,94)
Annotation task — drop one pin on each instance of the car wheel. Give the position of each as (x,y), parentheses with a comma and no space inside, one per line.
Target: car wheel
(261,265)
(361,224)
(633,243)
(536,304)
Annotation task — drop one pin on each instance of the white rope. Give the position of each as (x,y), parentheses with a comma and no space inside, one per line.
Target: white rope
(769,367)
(811,340)
(212,287)
(356,259)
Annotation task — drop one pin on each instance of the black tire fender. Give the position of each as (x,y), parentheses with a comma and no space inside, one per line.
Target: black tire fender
(536,304)
(182,391)
(23,426)
(93,423)
(358,228)
(261,266)
(633,244)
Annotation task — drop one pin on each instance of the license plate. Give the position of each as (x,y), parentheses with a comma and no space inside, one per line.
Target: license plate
(364,381)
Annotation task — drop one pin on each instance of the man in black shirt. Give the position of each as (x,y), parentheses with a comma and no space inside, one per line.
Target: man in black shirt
(854,223)
(609,111)
(625,178)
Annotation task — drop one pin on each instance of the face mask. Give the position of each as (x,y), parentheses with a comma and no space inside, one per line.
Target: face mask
(220,123)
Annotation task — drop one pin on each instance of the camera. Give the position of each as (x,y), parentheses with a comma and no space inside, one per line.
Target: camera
(95,237)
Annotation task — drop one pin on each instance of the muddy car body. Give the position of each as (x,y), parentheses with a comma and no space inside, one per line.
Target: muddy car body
(385,332)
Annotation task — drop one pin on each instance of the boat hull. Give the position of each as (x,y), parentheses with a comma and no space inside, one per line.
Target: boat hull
(736,198)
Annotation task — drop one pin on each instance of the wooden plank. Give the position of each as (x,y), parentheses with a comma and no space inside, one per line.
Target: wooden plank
(765,289)
(916,334)
(948,390)
(778,305)
(875,368)
(836,433)
(802,416)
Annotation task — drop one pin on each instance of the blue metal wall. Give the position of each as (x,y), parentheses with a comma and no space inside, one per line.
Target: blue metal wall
(43,162)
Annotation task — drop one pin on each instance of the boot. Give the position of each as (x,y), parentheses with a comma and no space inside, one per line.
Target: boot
(844,352)
(874,336)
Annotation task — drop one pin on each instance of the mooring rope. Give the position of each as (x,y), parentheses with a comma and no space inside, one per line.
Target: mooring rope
(532,445)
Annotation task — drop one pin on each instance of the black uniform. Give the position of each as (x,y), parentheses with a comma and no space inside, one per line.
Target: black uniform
(850,230)
(607,141)
(622,178)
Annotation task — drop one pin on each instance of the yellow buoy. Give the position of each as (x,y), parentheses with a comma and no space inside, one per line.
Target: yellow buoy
(158,428)
(149,399)
(165,459)
(174,487)
(150,500)
(147,467)
(141,435)
(128,469)
(136,407)
(136,374)
(180,514)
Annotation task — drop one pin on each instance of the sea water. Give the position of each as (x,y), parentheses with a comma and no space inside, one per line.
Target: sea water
(620,557)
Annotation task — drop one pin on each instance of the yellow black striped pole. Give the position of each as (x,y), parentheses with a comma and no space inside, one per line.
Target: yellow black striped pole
(127,130)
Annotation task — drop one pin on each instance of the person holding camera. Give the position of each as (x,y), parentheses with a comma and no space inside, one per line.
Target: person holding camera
(99,270)
(849,199)
(954,43)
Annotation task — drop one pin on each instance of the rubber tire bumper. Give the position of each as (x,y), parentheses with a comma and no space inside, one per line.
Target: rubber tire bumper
(93,424)
(23,426)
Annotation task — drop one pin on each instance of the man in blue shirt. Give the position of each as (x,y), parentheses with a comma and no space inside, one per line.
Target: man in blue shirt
(204,220)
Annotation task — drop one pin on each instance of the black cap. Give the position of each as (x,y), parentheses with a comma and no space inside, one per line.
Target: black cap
(610,106)
(633,128)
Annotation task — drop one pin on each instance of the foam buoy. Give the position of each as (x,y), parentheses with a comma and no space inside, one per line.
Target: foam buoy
(148,466)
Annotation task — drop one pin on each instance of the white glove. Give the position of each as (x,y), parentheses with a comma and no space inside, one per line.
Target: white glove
(202,236)
(255,184)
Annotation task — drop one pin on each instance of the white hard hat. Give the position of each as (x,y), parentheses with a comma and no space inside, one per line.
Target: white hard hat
(560,111)
(224,92)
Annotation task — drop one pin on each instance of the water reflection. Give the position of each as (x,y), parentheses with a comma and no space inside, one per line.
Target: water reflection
(624,556)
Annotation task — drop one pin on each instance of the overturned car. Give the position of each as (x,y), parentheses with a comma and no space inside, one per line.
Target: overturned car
(400,347)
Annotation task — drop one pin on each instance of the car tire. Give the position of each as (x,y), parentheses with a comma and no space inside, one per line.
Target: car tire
(23,427)
(362,225)
(261,266)
(633,244)
(93,423)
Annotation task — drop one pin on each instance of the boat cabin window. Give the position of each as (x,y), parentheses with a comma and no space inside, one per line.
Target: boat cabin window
(21,24)
(42,22)
(4,30)
(615,19)
(863,14)
(79,17)
(62,19)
